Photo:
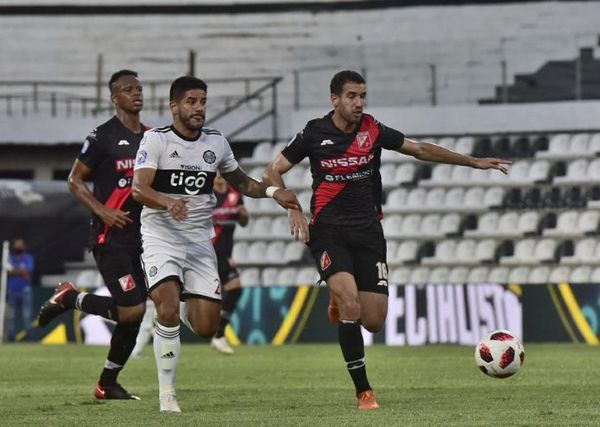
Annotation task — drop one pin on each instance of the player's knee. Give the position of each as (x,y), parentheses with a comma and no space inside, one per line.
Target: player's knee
(373,324)
(349,308)
(168,315)
(205,330)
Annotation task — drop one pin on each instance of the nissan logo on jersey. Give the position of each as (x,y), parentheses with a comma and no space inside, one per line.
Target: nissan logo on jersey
(346,161)
(183,182)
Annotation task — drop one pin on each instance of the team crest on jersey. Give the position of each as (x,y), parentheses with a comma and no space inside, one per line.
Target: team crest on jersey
(209,157)
(364,140)
(325,261)
(127,283)
(153,271)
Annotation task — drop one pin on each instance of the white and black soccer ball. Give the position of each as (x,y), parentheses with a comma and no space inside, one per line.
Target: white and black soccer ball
(499,354)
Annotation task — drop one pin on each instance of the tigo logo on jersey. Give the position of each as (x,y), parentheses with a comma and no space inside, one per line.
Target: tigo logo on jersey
(325,261)
(127,283)
(364,140)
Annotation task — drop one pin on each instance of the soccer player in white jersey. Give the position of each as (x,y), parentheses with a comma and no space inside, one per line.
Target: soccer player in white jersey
(174,173)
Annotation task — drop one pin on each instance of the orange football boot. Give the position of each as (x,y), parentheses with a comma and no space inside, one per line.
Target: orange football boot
(366,400)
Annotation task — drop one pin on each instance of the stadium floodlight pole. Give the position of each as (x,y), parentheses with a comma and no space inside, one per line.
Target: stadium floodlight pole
(3,280)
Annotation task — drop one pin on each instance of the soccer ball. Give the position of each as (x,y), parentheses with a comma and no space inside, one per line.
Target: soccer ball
(499,354)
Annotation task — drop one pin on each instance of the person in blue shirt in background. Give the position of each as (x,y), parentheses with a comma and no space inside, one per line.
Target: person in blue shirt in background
(19,290)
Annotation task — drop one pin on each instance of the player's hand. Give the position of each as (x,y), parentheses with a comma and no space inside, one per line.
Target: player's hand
(492,163)
(287,199)
(114,218)
(298,225)
(178,208)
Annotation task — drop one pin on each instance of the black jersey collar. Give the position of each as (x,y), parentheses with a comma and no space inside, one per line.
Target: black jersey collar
(329,117)
(185,138)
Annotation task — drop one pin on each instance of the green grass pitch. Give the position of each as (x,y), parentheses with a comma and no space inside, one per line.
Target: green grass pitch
(303,385)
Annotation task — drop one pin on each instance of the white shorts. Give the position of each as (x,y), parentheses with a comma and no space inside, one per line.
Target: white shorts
(195,266)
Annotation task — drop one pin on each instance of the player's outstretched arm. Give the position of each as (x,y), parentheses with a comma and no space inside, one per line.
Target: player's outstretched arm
(146,195)
(77,185)
(435,153)
(252,187)
(273,176)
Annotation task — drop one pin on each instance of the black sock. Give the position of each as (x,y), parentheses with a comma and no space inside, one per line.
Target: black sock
(353,349)
(69,298)
(95,304)
(230,301)
(121,346)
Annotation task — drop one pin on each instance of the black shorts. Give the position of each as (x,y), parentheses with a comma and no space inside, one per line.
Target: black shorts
(227,269)
(123,275)
(360,252)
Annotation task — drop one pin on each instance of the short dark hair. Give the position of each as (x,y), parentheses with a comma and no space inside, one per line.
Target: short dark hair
(116,76)
(182,84)
(340,79)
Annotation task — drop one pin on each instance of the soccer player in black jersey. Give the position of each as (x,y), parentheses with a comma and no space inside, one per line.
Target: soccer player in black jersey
(228,212)
(345,235)
(107,158)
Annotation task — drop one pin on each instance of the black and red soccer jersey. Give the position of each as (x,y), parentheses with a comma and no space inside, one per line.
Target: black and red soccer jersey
(109,151)
(345,168)
(225,218)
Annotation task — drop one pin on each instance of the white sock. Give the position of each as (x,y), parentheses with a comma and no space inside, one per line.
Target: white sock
(167,347)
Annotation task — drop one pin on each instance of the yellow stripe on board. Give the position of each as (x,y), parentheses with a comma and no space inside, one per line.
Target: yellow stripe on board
(314,293)
(57,336)
(577,315)
(516,289)
(561,313)
(232,338)
(290,319)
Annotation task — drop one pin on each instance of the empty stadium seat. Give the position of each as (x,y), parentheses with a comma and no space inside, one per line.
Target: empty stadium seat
(269,276)
(560,274)
(595,276)
(539,274)
(435,199)
(585,250)
(487,225)
(277,149)
(304,199)
(465,251)
(566,224)
(465,145)
(539,171)
(396,199)
(256,254)
(261,227)
(544,250)
(579,145)
(407,251)
(576,173)
(580,274)
(406,173)
(445,252)
(494,196)
(293,252)
(454,198)
(558,147)
(528,223)
(508,224)
(588,222)
(295,178)
(419,275)
(243,233)
(461,175)
(430,226)
(439,275)
(307,276)
(279,228)
(450,224)
(485,250)
(458,275)
(392,225)
(416,198)
(593,171)
(594,144)
(411,225)
(240,252)
(478,275)
(518,275)
(498,275)
(388,174)
(447,142)
(250,277)
(524,253)
(287,277)
(440,176)
(262,154)
(400,275)
(273,254)
(518,174)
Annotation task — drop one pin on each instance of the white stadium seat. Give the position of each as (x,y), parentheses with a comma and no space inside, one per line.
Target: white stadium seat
(261,227)
(478,275)
(576,173)
(528,223)
(544,250)
(388,174)
(539,274)
(435,199)
(585,250)
(392,225)
(519,275)
(498,275)
(447,142)
(539,171)
(400,275)
(524,253)
(280,228)
(508,224)
(458,275)
(450,224)
(465,251)
(419,275)
(593,171)
(293,251)
(250,277)
(274,253)
(485,250)
(269,276)
(588,222)
(465,145)
(487,225)
(566,224)
(256,253)
(581,274)
(454,198)
(440,176)
(407,251)
(396,199)
(405,174)
(473,197)
(494,197)
(579,144)
(560,274)
(445,252)
(594,144)
(430,226)
(287,277)
(439,275)
(558,147)
(307,276)
(240,252)
(595,276)
(416,198)
(461,175)
(411,225)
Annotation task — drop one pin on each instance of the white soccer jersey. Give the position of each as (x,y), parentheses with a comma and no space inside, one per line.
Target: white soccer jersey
(184,168)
